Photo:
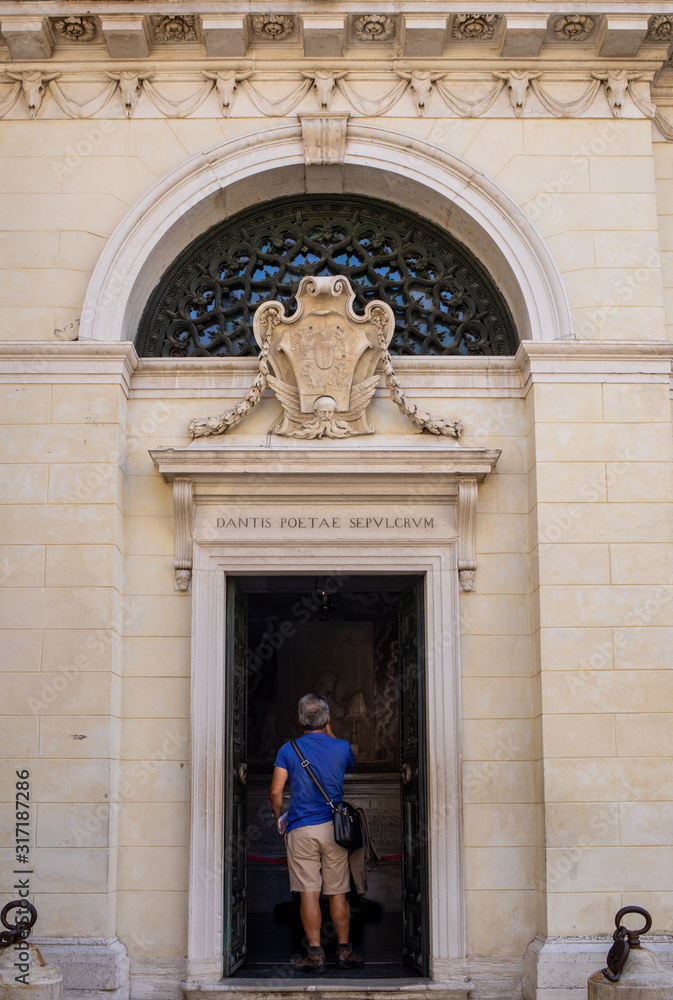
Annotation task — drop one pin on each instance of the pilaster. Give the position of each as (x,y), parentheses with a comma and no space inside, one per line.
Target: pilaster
(600,472)
(64,410)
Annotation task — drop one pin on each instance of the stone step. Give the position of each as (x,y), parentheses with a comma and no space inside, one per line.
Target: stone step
(325,988)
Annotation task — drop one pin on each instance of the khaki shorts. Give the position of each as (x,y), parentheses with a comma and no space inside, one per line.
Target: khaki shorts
(315,861)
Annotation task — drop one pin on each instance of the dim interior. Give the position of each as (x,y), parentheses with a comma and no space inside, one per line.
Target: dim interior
(337,637)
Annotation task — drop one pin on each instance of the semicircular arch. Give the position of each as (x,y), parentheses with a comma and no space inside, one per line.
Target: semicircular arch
(378,163)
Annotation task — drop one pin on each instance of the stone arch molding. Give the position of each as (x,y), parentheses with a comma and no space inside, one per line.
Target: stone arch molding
(267,164)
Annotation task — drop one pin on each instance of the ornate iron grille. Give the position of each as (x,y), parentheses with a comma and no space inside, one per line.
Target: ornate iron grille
(444,302)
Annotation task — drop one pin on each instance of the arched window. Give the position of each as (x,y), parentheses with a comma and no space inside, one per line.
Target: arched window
(444,302)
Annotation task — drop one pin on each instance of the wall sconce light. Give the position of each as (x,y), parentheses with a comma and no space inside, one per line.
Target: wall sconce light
(323,604)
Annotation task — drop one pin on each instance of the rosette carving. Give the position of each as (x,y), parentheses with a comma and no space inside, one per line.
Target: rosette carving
(477,27)
(75,28)
(167,28)
(660,28)
(573,27)
(374,28)
(273,27)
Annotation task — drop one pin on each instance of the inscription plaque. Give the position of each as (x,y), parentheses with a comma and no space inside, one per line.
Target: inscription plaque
(430,522)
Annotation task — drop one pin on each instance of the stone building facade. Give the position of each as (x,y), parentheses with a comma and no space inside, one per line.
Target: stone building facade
(538,137)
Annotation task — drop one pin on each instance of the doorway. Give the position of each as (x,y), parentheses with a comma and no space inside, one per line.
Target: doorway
(359,641)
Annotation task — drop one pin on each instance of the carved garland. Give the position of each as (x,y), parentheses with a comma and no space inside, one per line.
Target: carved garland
(200,427)
(205,427)
(34,84)
(421,418)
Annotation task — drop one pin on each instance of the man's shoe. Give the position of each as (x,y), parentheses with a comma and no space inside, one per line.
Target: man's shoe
(313,963)
(348,959)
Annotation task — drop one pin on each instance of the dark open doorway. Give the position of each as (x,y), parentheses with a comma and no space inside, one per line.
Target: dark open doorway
(359,642)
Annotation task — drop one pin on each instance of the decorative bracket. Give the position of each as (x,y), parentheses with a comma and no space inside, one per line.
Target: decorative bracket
(324,138)
(183,509)
(466,517)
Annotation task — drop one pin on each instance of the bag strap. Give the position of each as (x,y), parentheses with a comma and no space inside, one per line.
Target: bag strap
(311,773)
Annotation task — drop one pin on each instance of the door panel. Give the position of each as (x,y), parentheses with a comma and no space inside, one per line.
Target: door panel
(415,915)
(235,794)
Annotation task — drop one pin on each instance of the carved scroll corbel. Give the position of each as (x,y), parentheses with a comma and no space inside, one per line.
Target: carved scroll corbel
(466,515)
(183,509)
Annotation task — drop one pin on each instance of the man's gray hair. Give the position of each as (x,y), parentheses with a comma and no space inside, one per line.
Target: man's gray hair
(313,711)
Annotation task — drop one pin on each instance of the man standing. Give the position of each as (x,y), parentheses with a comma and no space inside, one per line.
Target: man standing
(315,861)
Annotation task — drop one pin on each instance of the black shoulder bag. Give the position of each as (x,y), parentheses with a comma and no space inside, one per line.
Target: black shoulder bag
(347,828)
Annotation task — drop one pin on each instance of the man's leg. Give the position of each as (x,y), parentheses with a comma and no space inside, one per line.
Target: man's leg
(311,917)
(336,883)
(303,860)
(341,917)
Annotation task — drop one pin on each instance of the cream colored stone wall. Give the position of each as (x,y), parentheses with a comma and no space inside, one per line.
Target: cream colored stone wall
(63,614)
(587,185)
(154,814)
(499,783)
(565,645)
(600,480)
(663,167)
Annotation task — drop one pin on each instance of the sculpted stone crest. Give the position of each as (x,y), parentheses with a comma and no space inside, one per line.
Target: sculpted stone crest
(323,363)
(324,358)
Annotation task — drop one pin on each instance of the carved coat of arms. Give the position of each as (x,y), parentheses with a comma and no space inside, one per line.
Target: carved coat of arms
(323,363)
(323,360)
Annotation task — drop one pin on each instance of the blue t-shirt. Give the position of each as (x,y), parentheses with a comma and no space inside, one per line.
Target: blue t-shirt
(329,759)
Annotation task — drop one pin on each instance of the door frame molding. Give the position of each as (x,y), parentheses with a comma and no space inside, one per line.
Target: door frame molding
(257,481)
(213,563)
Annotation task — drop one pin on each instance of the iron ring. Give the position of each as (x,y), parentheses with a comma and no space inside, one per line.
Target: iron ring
(633,909)
(19,925)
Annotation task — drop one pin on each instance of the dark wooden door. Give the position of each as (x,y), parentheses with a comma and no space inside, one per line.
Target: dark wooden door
(235,770)
(415,914)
